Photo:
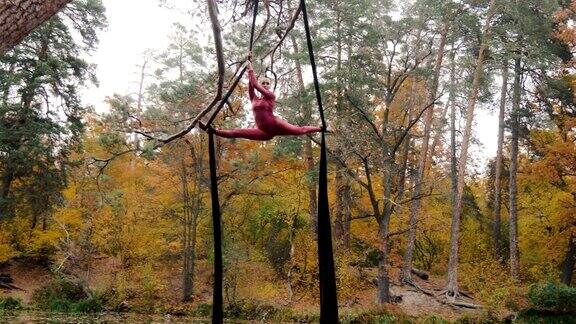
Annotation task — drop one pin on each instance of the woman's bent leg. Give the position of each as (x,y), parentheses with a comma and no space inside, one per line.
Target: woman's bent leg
(248,133)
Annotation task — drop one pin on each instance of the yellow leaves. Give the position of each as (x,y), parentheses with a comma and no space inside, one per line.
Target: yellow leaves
(69,217)
(489,279)
(6,250)
(174,247)
(347,278)
(30,241)
(544,205)
(41,241)
(69,193)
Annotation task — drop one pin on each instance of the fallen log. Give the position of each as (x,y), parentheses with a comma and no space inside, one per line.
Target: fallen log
(420,273)
(6,283)
(465,305)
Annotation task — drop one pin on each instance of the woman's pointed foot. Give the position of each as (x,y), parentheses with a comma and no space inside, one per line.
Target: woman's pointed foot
(207,128)
(202,125)
(324,129)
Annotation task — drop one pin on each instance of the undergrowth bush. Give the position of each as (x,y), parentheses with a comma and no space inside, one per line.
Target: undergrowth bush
(203,310)
(10,303)
(61,295)
(553,298)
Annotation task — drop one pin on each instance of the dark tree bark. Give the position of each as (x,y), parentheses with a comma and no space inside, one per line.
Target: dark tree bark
(187,280)
(513,209)
(19,17)
(496,229)
(569,262)
(7,179)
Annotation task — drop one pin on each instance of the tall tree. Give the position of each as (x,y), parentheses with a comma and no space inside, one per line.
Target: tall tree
(452,281)
(515,125)
(496,208)
(526,23)
(173,97)
(40,109)
(443,26)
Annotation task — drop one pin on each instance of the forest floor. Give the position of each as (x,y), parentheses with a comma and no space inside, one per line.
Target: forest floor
(255,282)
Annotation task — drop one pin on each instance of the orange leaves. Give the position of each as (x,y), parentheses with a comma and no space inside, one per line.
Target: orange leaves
(565,30)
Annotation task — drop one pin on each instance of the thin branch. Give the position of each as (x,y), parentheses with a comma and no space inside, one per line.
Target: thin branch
(287,31)
(363,113)
(267,5)
(411,124)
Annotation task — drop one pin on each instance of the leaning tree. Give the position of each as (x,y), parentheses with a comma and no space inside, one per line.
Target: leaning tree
(19,17)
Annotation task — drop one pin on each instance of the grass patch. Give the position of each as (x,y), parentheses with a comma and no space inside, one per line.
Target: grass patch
(248,310)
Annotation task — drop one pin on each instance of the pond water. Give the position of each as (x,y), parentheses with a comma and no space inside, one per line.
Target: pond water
(41,317)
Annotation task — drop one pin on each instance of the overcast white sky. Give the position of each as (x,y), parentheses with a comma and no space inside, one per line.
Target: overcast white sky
(134,26)
(139,25)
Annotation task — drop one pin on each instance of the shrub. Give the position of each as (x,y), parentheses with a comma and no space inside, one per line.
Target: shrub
(370,255)
(554,298)
(10,303)
(203,309)
(61,295)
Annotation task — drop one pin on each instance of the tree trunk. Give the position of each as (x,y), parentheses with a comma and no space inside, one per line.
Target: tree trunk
(186,242)
(339,208)
(569,261)
(452,280)
(308,155)
(389,168)
(291,259)
(341,181)
(401,178)
(347,216)
(7,179)
(19,17)
(496,230)
(441,123)
(406,275)
(383,269)
(453,157)
(342,209)
(192,205)
(515,120)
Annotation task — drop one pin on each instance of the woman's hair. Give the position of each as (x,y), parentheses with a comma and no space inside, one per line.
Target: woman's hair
(264,78)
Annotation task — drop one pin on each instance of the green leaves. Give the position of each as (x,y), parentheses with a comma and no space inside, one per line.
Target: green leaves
(149,148)
(556,298)
(40,107)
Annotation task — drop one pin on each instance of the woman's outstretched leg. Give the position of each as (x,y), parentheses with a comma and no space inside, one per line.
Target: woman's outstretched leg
(285,128)
(248,133)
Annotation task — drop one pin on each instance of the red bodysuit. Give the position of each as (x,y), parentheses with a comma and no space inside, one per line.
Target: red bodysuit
(267,125)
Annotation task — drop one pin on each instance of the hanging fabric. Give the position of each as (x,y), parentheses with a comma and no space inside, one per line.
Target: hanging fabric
(328,295)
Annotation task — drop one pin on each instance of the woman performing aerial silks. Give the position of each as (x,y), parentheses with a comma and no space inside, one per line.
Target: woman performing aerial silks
(267,125)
